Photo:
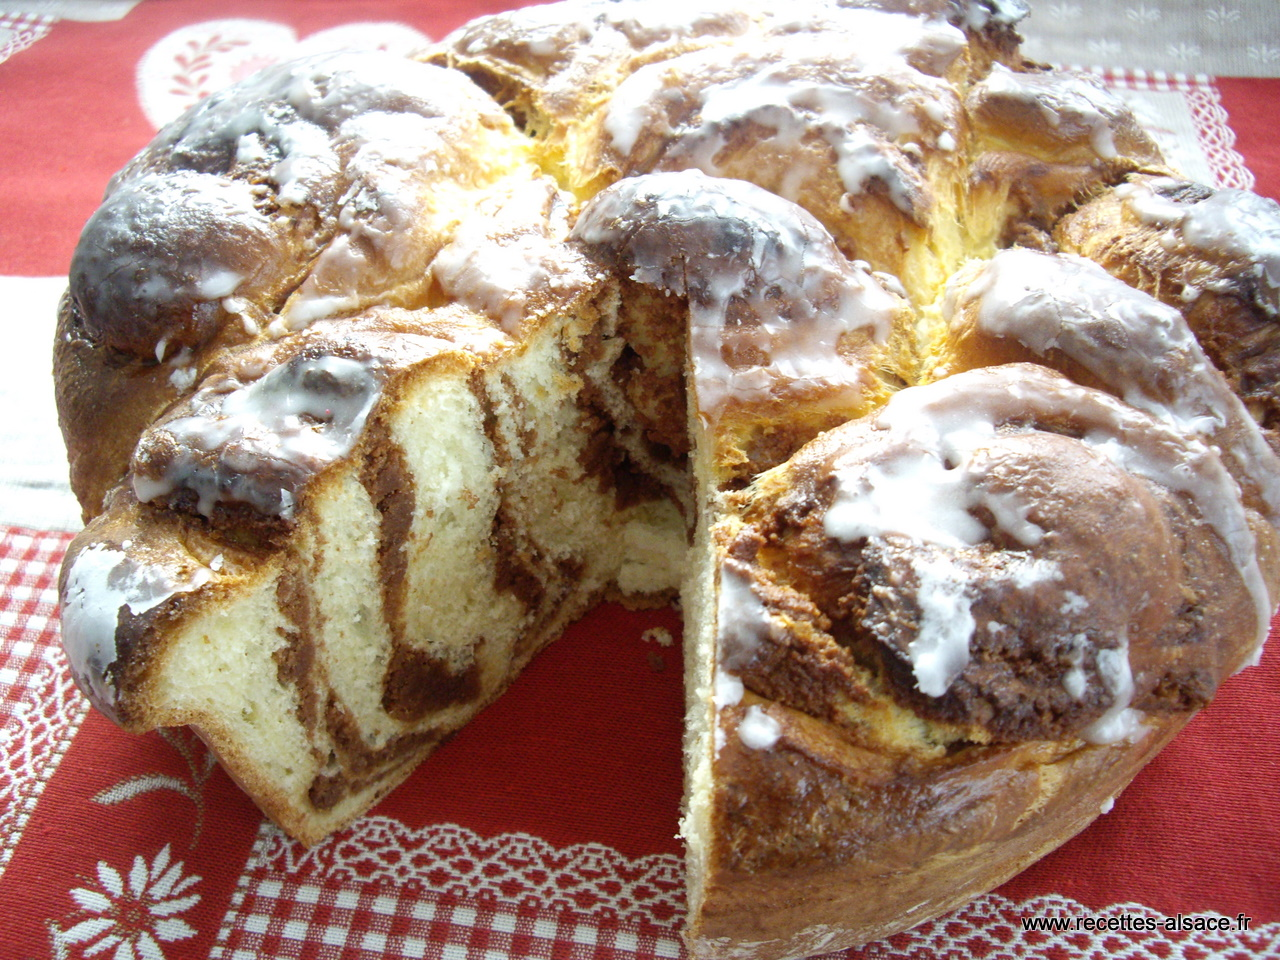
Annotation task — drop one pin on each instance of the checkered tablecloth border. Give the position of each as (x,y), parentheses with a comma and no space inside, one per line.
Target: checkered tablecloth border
(20,30)
(586,878)
(291,919)
(40,708)
(282,919)
(285,918)
(289,904)
(29,562)
(1212,124)
(1158,80)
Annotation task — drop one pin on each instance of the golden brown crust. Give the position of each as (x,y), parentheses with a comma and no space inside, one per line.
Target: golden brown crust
(786,336)
(1202,251)
(1060,554)
(262,207)
(769,115)
(1045,142)
(549,65)
(105,397)
(1055,116)
(949,633)
(898,842)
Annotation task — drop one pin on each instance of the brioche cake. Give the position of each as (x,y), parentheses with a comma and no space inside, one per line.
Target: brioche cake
(944,406)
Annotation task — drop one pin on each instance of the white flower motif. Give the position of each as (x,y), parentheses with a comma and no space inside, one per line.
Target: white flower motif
(131,916)
(1103,48)
(1182,50)
(1263,53)
(1222,14)
(1065,11)
(1143,13)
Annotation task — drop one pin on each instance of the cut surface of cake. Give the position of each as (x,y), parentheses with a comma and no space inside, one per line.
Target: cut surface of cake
(941,404)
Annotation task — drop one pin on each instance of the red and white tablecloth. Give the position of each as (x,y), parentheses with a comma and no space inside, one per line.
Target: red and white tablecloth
(546,828)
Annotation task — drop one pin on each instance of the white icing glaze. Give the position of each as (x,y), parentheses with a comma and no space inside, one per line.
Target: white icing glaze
(1217,496)
(1115,331)
(647,22)
(939,652)
(292,148)
(331,88)
(1027,572)
(728,689)
(742,624)
(925,495)
(162,275)
(923,489)
(393,154)
(216,284)
(741,618)
(978,14)
(757,729)
(926,491)
(494,278)
(629,110)
(1130,438)
(291,116)
(353,138)
(1049,301)
(863,116)
(840,114)
(941,648)
(544,29)
(1073,603)
(1075,681)
(735,249)
(928,43)
(254,442)
(1072,105)
(101,583)
(1236,224)
(183,377)
(1128,339)
(500,262)
(1120,721)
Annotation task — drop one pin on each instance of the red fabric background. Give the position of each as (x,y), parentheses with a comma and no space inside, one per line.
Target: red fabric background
(1252,106)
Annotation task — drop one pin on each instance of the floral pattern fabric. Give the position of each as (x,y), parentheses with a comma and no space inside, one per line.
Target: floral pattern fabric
(1230,38)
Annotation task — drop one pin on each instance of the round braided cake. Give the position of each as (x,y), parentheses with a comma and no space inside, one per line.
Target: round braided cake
(944,406)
